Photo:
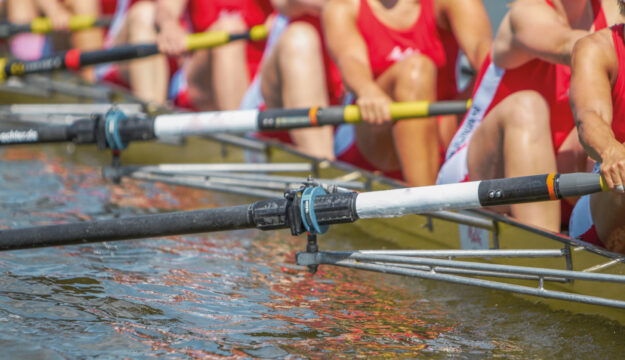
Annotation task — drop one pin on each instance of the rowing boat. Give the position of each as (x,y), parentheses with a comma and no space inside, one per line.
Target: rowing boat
(469,247)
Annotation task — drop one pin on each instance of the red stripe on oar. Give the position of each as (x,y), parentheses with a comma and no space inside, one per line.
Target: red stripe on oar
(72,59)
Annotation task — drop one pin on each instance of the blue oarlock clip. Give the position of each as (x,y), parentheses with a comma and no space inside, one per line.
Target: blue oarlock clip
(308,210)
(111,129)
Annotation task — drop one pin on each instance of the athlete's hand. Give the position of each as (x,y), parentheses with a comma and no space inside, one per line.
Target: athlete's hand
(60,18)
(374,105)
(171,39)
(613,167)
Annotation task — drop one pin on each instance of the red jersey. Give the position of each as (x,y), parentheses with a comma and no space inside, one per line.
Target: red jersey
(203,13)
(618,90)
(108,6)
(386,45)
(551,81)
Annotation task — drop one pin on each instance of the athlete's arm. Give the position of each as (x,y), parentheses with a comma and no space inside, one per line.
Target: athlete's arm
(349,50)
(469,22)
(594,68)
(296,8)
(58,14)
(533,29)
(171,33)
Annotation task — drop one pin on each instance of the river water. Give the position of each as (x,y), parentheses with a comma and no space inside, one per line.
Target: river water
(238,294)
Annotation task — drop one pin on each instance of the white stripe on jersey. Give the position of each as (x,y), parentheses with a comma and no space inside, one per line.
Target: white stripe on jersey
(480,104)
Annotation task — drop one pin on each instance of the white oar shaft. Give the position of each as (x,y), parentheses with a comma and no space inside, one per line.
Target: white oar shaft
(204,123)
(399,202)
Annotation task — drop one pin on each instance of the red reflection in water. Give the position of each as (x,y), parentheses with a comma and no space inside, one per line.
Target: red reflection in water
(337,311)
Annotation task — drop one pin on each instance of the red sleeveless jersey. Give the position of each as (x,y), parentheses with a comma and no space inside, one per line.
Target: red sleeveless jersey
(203,13)
(618,90)
(387,46)
(551,81)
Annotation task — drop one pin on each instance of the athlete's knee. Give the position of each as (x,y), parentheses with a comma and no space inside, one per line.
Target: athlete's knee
(529,110)
(141,17)
(416,66)
(84,7)
(230,23)
(417,72)
(299,40)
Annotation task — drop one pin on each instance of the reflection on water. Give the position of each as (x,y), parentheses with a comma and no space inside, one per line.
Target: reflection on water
(237,294)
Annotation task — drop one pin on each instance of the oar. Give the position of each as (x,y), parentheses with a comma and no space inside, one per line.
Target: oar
(121,129)
(75,59)
(312,211)
(43,25)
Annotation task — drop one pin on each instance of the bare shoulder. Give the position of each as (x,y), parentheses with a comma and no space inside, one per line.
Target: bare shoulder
(451,4)
(341,7)
(527,13)
(596,51)
(596,47)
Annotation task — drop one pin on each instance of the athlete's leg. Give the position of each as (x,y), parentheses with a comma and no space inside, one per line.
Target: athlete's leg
(608,212)
(447,127)
(415,141)
(293,77)
(218,78)
(21,11)
(24,46)
(514,139)
(571,156)
(90,39)
(149,77)
(229,65)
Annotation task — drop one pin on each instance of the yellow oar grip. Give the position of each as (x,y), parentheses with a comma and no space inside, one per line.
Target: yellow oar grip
(41,25)
(206,40)
(258,32)
(3,63)
(401,110)
(604,185)
(81,22)
(409,109)
(351,114)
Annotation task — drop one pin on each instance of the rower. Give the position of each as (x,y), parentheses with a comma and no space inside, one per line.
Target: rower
(520,114)
(402,51)
(598,102)
(299,73)
(29,46)
(213,79)
(148,79)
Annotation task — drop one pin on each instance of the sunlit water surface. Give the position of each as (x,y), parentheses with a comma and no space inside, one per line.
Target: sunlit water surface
(237,294)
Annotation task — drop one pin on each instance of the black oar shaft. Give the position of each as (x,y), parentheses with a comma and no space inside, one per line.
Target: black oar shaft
(75,59)
(128,228)
(94,130)
(28,136)
(44,25)
(263,215)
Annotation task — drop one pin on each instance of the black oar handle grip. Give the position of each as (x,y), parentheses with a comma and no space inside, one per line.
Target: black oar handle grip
(538,188)
(283,119)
